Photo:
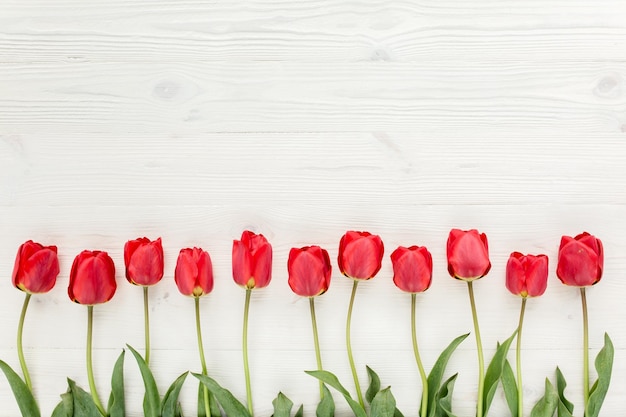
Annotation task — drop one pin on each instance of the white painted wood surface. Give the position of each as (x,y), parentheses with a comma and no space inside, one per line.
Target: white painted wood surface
(194,120)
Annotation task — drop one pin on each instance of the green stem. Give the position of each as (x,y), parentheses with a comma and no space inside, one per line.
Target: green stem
(479,347)
(246,368)
(207,407)
(92,383)
(20,350)
(520,391)
(583,298)
(146,324)
(424,409)
(318,355)
(349,345)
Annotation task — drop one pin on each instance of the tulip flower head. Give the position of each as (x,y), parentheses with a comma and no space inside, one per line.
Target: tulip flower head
(36,267)
(252,260)
(527,275)
(92,278)
(412,268)
(309,271)
(581,260)
(144,261)
(360,255)
(194,272)
(468,254)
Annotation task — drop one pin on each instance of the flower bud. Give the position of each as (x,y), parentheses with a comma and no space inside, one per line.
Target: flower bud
(412,268)
(194,272)
(581,260)
(527,275)
(36,267)
(309,271)
(144,261)
(468,254)
(360,255)
(252,260)
(92,278)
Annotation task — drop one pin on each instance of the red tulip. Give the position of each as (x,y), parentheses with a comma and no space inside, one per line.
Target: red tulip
(194,272)
(92,279)
(309,271)
(252,260)
(527,275)
(581,260)
(412,268)
(36,267)
(468,254)
(144,261)
(360,255)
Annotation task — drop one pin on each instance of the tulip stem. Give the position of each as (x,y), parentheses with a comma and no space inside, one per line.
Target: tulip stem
(318,355)
(479,347)
(202,360)
(92,383)
(518,365)
(424,408)
(583,298)
(146,324)
(246,368)
(20,350)
(349,345)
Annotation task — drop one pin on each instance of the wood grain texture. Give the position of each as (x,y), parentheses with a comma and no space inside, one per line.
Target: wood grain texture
(194,120)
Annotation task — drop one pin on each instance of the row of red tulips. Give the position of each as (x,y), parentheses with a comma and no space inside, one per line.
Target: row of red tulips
(92,281)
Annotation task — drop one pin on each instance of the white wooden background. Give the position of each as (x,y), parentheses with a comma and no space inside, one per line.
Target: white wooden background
(194,120)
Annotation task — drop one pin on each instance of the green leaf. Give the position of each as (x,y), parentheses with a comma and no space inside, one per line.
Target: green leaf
(383,404)
(510,387)
(214,407)
(436,373)
(494,372)
(374,386)
(566,408)
(151,399)
(300,412)
(66,407)
(326,407)
(546,406)
(332,380)
(397,413)
(444,398)
(231,406)
(116,407)
(282,406)
(169,406)
(604,367)
(25,400)
(83,405)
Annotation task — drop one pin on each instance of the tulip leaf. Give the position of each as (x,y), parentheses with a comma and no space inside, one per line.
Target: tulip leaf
(25,400)
(116,407)
(546,406)
(436,373)
(397,413)
(443,398)
(214,407)
(510,387)
(151,399)
(374,386)
(66,407)
(282,406)
(300,412)
(566,408)
(231,406)
(604,367)
(332,381)
(83,405)
(326,406)
(169,406)
(383,404)
(494,372)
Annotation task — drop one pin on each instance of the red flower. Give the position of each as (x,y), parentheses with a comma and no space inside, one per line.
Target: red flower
(92,279)
(360,255)
(36,267)
(194,272)
(527,275)
(468,254)
(309,271)
(412,268)
(144,261)
(581,260)
(252,260)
